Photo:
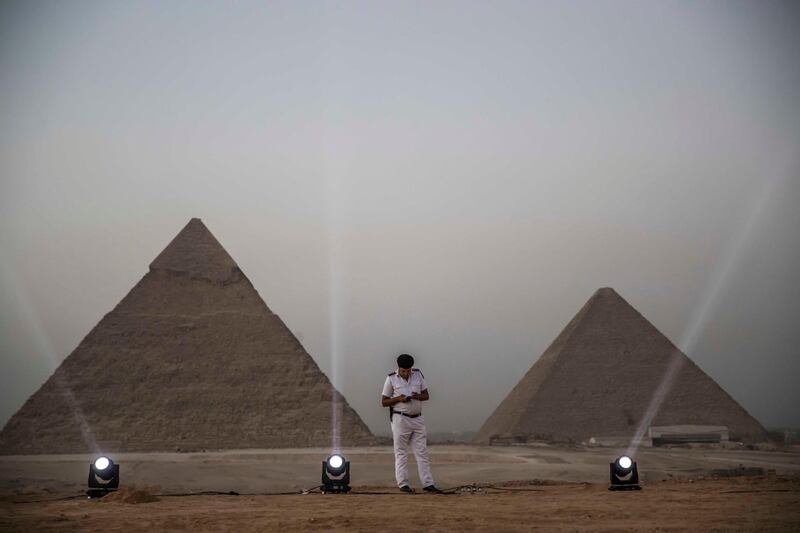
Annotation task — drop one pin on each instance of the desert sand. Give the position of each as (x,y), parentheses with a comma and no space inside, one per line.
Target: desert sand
(522,488)
(752,504)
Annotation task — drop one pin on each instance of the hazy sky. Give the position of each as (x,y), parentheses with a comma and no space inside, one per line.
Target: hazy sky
(448,179)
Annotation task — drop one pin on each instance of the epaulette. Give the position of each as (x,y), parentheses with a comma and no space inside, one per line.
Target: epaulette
(418,370)
(392,373)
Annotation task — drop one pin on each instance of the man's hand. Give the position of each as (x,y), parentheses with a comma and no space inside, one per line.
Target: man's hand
(421,396)
(402,398)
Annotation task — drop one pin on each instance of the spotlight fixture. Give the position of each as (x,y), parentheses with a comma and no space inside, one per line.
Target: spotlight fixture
(624,474)
(335,475)
(103,477)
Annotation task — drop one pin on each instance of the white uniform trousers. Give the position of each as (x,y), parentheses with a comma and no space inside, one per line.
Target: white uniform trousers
(411,431)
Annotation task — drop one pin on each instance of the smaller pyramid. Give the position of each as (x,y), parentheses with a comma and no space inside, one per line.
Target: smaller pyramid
(598,378)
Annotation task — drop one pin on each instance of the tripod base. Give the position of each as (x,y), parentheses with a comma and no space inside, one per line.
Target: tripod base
(98,493)
(334,489)
(624,487)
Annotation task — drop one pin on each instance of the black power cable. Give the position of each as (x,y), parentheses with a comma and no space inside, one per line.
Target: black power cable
(472,488)
(74,497)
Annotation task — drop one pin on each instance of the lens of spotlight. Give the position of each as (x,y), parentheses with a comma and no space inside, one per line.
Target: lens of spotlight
(624,462)
(336,461)
(102,463)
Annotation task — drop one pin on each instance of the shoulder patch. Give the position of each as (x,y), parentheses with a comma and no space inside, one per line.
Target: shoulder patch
(418,370)
(392,373)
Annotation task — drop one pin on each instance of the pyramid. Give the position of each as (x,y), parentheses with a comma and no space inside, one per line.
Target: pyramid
(598,378)
(192,358)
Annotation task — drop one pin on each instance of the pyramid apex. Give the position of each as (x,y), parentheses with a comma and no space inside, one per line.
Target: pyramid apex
(606,291)
(196,252)
(608,295)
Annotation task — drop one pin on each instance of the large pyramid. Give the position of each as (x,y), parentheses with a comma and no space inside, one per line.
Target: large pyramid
(598,378)
(192,358)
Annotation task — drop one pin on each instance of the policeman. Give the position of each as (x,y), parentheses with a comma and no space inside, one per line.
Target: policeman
(403,393)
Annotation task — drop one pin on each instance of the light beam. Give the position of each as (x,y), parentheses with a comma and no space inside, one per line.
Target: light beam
(703,312)
(44,346)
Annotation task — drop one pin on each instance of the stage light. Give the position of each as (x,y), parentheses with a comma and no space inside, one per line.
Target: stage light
(335,475)
(103,477)
(624,474)
(335,461)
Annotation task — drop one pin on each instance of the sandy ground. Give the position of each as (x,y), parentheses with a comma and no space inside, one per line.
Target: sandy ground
(681,490)
(751,504)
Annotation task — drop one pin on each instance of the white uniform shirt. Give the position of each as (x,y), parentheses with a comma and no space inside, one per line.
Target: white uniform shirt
(395,386)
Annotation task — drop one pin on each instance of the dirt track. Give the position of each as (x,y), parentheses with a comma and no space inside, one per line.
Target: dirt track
(679,492)
(750,504)
(281,470)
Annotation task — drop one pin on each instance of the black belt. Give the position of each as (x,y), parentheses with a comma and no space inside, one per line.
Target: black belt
(406,414)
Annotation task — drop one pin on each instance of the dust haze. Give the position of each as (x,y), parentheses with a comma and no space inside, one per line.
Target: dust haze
(451,180)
